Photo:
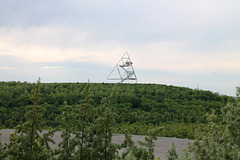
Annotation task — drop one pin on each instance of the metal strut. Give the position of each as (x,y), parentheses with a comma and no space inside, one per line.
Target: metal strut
(124,68)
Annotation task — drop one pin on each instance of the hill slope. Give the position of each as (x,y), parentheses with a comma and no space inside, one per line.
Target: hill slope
(139,106)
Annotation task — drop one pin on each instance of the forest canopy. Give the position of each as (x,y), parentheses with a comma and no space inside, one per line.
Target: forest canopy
(139,107)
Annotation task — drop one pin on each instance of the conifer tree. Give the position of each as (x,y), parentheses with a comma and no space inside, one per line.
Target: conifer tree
(128,144)
(172,153)
(2,148)
(185,155)
(132,151)
(67,146)
(103,148)
(83,133)
(140,153)
(149,142)
(131,157)
(26,143)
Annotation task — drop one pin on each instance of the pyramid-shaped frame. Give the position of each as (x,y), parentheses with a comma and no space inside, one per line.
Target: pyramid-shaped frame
(123,70)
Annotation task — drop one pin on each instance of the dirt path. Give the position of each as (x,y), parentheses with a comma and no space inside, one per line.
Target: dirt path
(162,144)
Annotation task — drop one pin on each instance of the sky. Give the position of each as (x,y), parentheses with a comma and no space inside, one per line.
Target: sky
(173,42)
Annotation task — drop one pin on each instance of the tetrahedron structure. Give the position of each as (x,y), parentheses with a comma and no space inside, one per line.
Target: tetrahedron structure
(123,70)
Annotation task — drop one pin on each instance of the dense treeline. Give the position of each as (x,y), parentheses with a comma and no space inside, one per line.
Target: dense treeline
(138,106)
(86,134)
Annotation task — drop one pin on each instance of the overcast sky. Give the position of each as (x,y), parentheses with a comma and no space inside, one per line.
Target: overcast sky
(172,42)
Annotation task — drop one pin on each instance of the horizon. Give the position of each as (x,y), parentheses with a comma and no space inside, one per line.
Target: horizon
(146,83)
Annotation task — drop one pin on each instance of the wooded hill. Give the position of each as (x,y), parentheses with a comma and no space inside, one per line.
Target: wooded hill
(139,107)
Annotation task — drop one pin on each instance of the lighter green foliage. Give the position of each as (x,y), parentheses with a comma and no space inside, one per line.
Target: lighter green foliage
(132,151)
(220,141)
(185,155)
(145,152)
(128,144)
(172,153)
(149,142)
(238,93)
(130,157)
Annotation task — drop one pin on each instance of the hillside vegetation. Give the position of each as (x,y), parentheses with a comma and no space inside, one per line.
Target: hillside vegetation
(138,107)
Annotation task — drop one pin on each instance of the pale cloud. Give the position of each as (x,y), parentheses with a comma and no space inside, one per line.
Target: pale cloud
(31,53)
(176,56)
(52,67)
(164,55)
(7,68)
(54,44)
(41,47)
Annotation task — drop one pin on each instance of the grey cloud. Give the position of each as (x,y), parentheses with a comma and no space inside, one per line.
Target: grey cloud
(131,22)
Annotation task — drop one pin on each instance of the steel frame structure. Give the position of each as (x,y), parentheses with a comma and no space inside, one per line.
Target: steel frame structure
(125,69)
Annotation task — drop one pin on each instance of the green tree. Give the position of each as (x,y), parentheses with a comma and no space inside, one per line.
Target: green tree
(26,143)
(132,151)
(172,153)
(2,147)
(131,157)
(67,146)
(103,148)
(127,144)
(185,156)
(220,141)
(83,133)
(149,142)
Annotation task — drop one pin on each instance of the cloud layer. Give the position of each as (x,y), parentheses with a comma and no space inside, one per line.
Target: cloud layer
(188,38)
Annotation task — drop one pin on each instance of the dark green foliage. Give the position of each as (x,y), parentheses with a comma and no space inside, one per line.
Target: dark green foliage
(139,153)
(87,131)
(2,148)
(83,133)
(87,128)
(66,148)
(103,147)
(180,130)
(146,104)
(26,143)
